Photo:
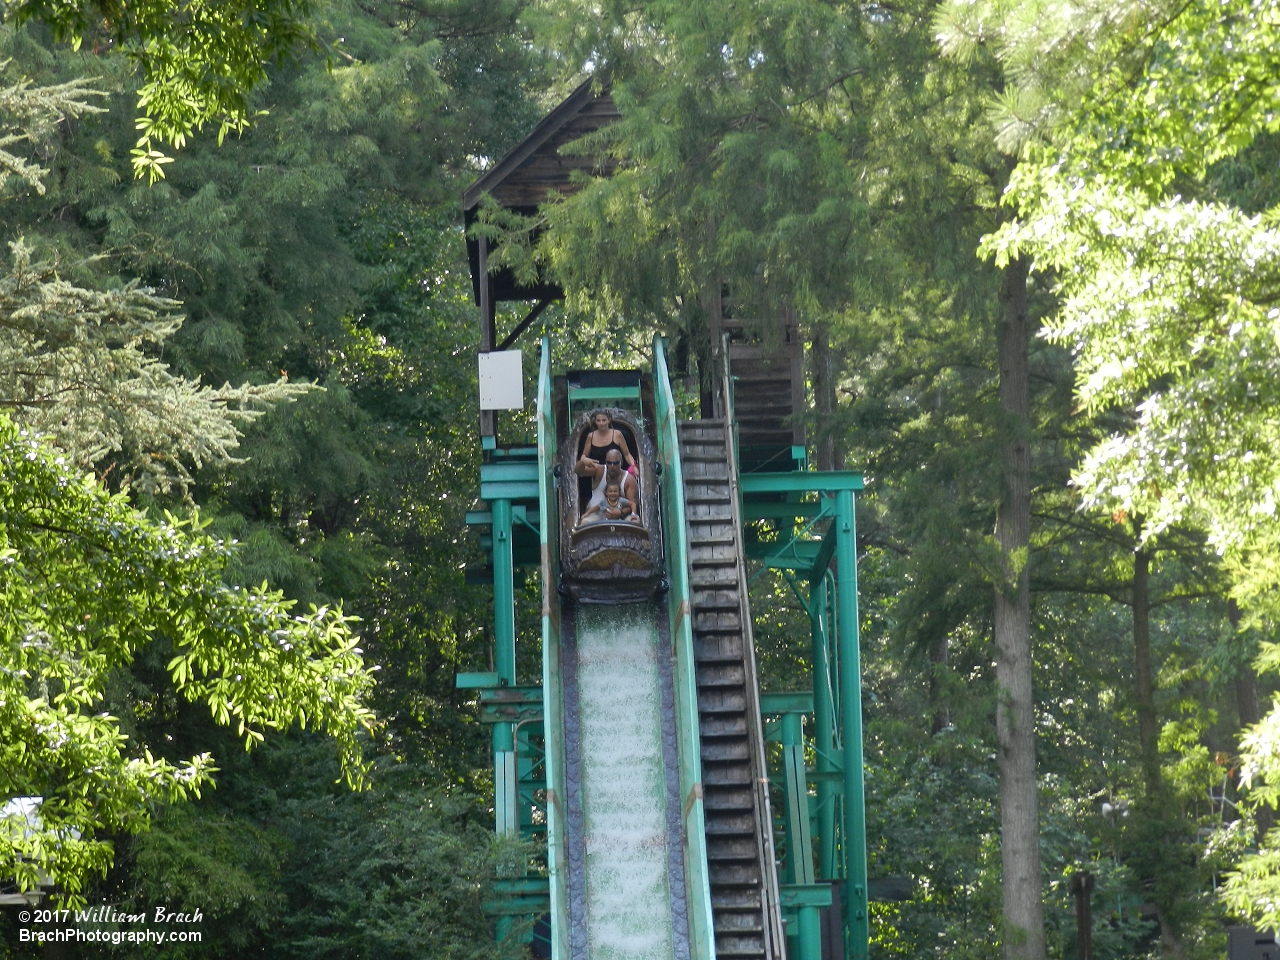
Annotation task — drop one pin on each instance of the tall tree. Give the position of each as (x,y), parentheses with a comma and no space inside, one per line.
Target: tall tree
(1015,709)
(1127,112)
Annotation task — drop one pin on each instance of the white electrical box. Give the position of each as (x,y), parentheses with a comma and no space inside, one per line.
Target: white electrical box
(502,380)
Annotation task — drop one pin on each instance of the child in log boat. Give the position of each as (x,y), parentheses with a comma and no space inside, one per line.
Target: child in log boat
(614,506)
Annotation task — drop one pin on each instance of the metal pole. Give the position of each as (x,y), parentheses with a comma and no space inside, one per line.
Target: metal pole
(796,795)
(488,418)
(810,933)
(823,740)
(505,780)
(855,823)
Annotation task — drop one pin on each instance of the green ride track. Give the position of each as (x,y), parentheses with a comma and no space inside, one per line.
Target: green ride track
(616,755)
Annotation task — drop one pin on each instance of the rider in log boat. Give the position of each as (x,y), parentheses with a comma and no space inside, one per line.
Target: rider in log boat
(611,529)
(614,506)
(610,471)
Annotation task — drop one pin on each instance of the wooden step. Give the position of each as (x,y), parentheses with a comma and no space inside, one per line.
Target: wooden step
(736,898)
(719,621)
(739,948)
(722,701)
(732,774)
(713,537)
(725,750)
(730,824)
(723,725)
(725,798)
(722,674)
(715,603)
(709,511)
(709,497)
(713,553)
(725,849)
(713,576)
(735,874)
(717,648)
(714,563)
(740,922)
(746,927)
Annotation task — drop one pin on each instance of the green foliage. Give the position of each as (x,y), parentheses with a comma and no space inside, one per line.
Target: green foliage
(200,60)
(308,870)
(1142,194)
(89,583)
(80,365)
(31,116)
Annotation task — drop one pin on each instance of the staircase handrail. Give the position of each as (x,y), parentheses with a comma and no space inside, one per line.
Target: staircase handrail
(702,940)
(552,697)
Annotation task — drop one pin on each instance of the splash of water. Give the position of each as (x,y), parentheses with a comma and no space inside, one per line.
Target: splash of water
(623,787)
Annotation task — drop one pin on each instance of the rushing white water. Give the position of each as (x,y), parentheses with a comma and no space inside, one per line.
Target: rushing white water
(623,787)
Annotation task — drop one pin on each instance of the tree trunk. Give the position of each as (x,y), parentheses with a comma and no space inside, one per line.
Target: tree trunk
(938,655)
(1148,732)
(824,399)
(1148,723)
(1015,709)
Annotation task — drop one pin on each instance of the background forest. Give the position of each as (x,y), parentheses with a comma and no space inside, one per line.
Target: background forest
(848,160)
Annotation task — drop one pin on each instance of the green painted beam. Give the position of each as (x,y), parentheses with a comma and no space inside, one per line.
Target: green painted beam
(511,704)
(797,701)
(506,472)
(823,728)
(801,481)
(504,659)
(475,681)
(507,712)
(518,895)
(517,906)
(823,559)
(509,490)
(805,894)
(604,393)
(553,723)
(484,518)
(795,555)
(701,919)
(855,822)
(780,511)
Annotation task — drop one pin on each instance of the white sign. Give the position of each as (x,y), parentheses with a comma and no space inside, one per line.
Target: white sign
(502,380)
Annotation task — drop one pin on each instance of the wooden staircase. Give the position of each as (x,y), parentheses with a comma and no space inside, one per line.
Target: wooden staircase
(768,390)
(765,363)
(744,885)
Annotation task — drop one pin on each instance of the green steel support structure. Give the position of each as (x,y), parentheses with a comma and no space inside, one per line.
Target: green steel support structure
(505,769)
(824,734)
(836,702)
(818,526)
(855,818)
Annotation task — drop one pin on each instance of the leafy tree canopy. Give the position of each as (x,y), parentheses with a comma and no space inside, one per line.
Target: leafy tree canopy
(88,583)
(200,59)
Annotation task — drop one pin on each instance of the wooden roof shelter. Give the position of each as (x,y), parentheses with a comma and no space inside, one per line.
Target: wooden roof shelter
(530,171)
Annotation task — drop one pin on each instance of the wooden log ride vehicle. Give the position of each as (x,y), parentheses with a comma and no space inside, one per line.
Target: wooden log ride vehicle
(603,560)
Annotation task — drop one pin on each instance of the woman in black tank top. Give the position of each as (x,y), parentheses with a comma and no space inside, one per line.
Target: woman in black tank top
(605,438)
(599,453)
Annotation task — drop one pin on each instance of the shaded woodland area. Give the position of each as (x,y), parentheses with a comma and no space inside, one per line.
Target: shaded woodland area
(845,161)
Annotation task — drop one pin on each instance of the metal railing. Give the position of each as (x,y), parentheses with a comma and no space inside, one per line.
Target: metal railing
(697,875)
